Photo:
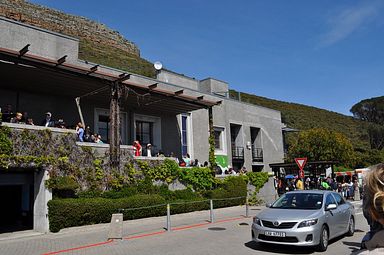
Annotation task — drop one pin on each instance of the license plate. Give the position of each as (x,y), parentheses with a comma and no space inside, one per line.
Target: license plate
(272,233)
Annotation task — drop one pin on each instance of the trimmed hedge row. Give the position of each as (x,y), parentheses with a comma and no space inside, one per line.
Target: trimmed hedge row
(72,212)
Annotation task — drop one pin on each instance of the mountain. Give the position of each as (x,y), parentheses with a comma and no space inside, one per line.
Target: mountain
(304,117)
(98,43)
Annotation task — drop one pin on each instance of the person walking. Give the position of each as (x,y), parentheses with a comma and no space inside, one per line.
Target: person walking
(356,192)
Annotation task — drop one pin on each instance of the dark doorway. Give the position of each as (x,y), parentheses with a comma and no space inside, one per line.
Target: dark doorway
(16,212)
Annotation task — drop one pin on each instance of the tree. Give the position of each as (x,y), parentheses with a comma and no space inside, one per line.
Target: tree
(371,110)
(376,136)
(321,144)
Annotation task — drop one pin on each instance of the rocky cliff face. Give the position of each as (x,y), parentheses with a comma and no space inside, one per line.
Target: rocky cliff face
(78,27)
(98,43)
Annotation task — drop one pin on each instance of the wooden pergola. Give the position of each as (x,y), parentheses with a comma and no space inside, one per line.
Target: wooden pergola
(62,78)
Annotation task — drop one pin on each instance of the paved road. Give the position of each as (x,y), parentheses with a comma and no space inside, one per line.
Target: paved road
(191,235)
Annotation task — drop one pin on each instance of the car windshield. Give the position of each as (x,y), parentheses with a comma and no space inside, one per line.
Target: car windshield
(302,201)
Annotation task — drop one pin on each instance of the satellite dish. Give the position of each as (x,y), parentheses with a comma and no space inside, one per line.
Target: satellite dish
(158,65)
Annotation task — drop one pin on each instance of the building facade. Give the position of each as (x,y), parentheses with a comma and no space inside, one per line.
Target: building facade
(40,72)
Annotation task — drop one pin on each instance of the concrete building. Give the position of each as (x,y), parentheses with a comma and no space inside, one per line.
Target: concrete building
(40,71)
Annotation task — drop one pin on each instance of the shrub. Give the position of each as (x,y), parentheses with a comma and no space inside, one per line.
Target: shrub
(232,187)
(70,212)
(197,178)
(126,191)
(180,195)
(5,141)
(63,186)
(257,179)
(167,171)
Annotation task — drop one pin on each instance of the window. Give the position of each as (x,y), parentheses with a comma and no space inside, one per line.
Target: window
(339,199)
(148,130)
(329,200)
(144,132)
(220,144)
(217,134)
(184,135)
(103,123)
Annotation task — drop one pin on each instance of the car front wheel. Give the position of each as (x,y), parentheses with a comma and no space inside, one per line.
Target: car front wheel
(324,238)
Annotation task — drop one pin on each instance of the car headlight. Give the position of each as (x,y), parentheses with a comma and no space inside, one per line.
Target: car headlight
(307,223)
(257,221)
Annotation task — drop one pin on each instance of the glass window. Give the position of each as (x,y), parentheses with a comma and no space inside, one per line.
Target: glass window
(339,199)
(104,128)
(144,132)
(329,200)
(217,134)
(301,201)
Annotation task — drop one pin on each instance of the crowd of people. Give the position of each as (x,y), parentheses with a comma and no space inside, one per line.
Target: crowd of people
(347,186)
(84,134)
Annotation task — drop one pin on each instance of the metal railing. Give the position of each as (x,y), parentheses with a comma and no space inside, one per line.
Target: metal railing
(237,153)
(169,206)
(257,154)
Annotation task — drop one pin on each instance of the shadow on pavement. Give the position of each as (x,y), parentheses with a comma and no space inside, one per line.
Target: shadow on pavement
(280,249)
(353,246)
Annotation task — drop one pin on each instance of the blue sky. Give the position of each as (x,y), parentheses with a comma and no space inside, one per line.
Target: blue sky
(328,54)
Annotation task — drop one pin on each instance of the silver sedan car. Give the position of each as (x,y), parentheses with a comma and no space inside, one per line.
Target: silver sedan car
(305,218)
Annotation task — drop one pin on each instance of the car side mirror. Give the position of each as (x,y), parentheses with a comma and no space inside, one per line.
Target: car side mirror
(331,207)
(268,205)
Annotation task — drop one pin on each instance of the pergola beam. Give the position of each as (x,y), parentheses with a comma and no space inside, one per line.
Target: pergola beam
(153,86)
(61,60)
(123,77)
(24,50)
(93,69)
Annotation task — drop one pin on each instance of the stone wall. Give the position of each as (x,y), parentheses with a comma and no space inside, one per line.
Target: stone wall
(75,26)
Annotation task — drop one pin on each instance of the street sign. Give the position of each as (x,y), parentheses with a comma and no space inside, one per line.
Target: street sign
(301,174)
(301,162)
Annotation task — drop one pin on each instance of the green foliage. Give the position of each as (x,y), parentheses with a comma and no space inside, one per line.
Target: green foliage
(7,161)
(231,187)
(211,141)
(65,213)
(114,57)
(376,136)
(253,199)
(63,186)
(197,178)
(130,173)
(5,140)
(257,179)
(321,144)
(62,182)
(166,171)
(371,110)
(304,117)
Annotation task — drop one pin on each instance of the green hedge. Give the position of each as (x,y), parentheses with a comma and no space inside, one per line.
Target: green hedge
(232,187)
(71,212)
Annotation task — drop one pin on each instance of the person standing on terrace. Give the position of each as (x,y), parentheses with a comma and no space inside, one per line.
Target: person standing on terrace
(17,118)
(48,121)
(137,147)
(80,132)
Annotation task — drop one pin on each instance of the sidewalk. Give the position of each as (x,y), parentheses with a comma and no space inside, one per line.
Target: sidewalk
(81,238)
